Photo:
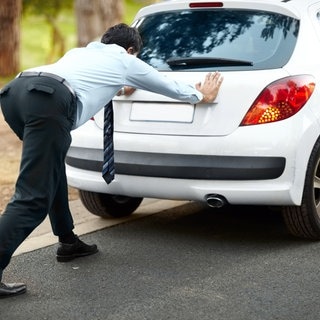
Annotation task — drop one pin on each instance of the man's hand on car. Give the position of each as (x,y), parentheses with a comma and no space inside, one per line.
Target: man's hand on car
(210,86)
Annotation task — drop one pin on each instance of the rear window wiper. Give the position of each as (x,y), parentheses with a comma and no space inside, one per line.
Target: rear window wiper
(199,61)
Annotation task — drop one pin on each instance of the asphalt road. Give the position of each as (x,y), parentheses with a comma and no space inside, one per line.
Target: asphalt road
(188,262)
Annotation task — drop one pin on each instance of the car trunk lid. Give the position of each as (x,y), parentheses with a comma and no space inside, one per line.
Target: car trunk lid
(148,113)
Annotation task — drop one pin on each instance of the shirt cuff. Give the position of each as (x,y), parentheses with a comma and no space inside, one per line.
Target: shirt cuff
(197,97)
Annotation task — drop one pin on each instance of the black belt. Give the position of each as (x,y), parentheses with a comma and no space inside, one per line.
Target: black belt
(49,75)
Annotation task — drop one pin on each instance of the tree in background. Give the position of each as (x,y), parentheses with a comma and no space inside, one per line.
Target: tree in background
(10,13)
(95,16)
(50,10)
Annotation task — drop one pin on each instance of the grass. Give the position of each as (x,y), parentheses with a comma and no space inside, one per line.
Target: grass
(36,35)
(36,38)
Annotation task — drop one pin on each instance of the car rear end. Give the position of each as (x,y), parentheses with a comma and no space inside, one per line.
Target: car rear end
(251,146)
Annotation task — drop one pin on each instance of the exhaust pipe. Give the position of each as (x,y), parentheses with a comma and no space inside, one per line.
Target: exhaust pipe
(215,200)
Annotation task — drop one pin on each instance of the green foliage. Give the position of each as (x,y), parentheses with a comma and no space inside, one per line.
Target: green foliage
(36,32)
(51,7)
(36,37)
(132,7)
(51,10)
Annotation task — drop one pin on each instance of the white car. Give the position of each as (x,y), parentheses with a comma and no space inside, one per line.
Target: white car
(258,144)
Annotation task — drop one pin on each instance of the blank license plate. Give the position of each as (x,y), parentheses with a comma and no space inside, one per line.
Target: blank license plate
(162,112)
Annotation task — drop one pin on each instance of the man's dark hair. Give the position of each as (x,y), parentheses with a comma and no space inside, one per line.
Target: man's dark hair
(124,36)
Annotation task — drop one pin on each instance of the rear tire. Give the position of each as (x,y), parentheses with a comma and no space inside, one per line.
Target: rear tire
(108,205)
(304,221)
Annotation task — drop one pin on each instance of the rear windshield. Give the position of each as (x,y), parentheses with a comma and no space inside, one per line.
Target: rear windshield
(221,39)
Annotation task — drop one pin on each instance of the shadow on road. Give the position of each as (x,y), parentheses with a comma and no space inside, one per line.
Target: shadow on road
(256,224)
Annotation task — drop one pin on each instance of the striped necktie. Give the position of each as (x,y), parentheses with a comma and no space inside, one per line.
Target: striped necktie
(108,153)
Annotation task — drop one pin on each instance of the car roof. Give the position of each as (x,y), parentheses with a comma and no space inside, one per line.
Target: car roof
(294,8)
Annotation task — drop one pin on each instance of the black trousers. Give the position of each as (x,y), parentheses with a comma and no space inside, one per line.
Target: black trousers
(41,111)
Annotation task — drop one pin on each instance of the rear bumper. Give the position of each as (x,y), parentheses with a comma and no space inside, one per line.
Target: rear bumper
(264,165)
(241,180)
(255,192)
(180,166)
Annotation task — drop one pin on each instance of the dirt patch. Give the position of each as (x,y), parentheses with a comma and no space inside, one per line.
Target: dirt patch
(10,154)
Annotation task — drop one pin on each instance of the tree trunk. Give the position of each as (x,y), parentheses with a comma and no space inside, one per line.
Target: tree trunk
(10,14)
(57,40)
(94,17)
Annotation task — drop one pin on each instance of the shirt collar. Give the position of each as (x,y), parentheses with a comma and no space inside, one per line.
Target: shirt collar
(100,45)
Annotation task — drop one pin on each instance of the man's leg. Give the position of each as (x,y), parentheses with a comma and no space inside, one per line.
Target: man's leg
(42,121)
(71,246)
(59,214)
(44,147)
(33,195)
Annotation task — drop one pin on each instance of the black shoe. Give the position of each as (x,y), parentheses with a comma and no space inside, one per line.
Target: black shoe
(11,289)
(67,252)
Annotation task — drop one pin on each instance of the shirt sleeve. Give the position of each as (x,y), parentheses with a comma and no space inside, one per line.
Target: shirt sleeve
(142,76)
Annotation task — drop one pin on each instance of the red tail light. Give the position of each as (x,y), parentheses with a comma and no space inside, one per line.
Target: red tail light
(280,100)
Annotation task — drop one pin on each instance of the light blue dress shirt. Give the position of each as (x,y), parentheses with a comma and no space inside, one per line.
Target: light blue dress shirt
(98,71)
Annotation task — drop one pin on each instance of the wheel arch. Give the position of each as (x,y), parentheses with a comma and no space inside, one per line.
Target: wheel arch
(303,152)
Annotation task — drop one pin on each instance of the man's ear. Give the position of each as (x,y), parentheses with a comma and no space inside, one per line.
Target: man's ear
(130,50)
